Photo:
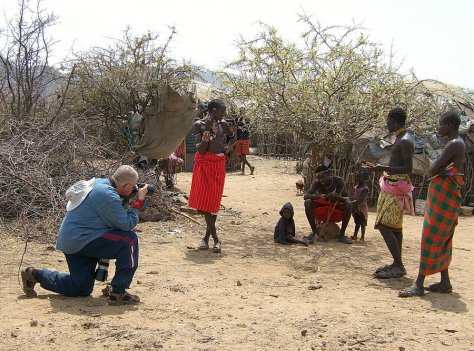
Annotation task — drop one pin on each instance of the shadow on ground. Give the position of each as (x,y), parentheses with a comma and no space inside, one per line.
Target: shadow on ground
(86,306)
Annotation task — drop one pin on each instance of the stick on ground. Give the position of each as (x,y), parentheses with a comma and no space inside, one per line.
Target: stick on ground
(185,215)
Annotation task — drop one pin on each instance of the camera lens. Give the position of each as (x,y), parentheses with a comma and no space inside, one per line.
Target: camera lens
(103,270)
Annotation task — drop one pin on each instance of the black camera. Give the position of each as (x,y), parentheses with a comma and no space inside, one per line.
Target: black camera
(150,187)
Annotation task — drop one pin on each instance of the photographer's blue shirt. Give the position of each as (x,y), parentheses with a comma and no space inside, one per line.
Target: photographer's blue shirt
(101,211)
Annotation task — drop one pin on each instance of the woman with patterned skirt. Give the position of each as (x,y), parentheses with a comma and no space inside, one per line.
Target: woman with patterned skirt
(443,205)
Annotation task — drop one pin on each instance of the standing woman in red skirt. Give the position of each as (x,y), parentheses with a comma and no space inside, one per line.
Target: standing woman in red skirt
(243,144)
(208,179)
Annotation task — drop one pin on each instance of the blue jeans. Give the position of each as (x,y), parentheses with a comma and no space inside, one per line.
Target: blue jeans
(115,244)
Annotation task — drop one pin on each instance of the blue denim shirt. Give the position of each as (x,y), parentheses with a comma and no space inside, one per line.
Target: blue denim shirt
(101,211)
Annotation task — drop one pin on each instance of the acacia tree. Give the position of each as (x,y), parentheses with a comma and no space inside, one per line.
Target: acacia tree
(127,77)
(330,88)
(25,74)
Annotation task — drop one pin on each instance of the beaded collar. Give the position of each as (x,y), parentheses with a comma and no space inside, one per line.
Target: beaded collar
(400,131)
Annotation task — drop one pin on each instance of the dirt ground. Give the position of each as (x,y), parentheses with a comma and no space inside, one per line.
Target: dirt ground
(254,295)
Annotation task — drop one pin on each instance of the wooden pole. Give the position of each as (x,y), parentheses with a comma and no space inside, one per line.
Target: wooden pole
(185,216)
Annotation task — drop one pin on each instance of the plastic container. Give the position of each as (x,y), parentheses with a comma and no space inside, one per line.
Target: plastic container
(253,150)
(466,210)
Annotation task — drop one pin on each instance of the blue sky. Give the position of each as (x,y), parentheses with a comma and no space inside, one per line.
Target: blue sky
(432,37)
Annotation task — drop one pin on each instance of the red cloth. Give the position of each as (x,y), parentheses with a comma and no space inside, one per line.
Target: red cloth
(324,208)
(180,150)
(138,204)
(207,183)
(243,147)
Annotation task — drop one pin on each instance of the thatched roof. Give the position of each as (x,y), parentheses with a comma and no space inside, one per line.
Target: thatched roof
(451,92)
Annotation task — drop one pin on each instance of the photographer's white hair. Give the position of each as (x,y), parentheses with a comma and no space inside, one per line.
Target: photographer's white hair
(125,174)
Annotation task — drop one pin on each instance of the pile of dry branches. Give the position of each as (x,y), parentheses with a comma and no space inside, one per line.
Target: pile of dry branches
(39,164)
(159,204)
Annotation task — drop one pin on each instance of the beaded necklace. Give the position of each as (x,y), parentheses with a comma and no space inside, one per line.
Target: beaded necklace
(399,132)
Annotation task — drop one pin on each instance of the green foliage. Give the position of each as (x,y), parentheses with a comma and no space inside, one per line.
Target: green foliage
(329,88)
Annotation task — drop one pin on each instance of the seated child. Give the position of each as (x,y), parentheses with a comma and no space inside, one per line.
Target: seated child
(285,228)
(359,206)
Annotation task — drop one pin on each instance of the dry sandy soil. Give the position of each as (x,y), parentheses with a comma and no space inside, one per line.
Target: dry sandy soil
(252,296)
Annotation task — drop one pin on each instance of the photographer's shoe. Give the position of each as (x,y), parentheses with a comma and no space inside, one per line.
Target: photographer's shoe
(28,282)
(107,290)
(119,299)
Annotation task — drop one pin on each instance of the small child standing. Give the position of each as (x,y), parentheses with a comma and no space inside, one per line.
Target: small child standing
(359,204)
(285,228)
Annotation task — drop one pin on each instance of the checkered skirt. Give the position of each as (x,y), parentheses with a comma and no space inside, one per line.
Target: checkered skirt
(443,205)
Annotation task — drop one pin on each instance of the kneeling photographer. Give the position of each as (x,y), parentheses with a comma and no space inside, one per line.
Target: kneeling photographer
(96,226)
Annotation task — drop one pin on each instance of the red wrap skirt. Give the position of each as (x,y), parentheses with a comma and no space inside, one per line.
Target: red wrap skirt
(326,210)
(242,147)
(207,183)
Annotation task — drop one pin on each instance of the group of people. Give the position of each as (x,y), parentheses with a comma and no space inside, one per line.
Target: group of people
(442,206)
(328,201)
(98,226)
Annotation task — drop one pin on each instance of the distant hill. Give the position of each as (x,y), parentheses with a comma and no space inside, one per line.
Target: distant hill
(208,76)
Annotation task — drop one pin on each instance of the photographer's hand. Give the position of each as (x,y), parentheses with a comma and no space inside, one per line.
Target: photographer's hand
(141,193)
